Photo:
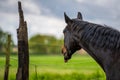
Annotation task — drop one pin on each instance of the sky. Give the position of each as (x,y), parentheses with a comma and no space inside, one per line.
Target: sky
(47,16)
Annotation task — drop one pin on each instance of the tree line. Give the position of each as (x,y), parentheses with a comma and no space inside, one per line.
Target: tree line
(45,44)
(38,44)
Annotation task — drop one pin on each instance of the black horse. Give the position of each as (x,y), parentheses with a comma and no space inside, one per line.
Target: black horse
(100,41)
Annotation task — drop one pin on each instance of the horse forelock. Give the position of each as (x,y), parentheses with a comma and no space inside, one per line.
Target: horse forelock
(98,35)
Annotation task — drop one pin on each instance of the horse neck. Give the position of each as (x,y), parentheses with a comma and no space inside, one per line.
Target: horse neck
(109,65)
(108,59)
(91,51)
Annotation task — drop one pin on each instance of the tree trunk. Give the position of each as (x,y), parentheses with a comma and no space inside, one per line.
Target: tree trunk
(23,52)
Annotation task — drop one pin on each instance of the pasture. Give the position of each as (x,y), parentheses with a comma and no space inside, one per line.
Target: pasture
(80,67)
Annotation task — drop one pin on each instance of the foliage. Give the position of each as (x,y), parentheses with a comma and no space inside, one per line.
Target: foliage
(3,41)
(44,44)
(2,38)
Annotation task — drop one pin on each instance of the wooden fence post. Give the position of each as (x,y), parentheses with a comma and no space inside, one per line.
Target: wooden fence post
(6,74)
(36,76)
(23,52)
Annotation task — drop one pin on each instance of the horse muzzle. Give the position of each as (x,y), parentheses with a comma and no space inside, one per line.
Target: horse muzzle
(65,54)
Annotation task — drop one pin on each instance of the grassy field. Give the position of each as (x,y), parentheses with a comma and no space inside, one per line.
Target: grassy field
(80,67)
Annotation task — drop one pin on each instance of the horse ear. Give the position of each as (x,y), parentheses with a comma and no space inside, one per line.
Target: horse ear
(79,16)
(67,19)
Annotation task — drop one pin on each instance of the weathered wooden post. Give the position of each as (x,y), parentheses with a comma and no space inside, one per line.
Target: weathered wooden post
(23,52)
(6,74)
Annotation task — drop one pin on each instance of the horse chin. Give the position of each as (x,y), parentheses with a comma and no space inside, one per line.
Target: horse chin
(66,58)
(65,61)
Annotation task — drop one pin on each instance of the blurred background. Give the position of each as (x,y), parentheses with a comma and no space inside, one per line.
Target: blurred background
(45,21)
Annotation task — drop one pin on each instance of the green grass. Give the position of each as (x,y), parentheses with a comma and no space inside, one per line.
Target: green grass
(80,67)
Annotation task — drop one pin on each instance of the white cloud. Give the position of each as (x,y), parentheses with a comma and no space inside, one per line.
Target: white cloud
(9,23)
(102,3)
(11,2)
(31,7)
(81,1)
(45,25)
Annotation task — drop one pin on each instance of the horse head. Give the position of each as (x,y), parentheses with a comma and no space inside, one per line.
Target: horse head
(70,43)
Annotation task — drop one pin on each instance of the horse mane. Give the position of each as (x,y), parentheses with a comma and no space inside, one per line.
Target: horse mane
(101,36)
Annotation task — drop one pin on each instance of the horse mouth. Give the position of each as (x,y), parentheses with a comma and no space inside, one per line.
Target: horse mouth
(65,54)
(66,58)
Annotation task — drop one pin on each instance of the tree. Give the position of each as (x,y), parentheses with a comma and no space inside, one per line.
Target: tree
(2,39)
(45,44)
